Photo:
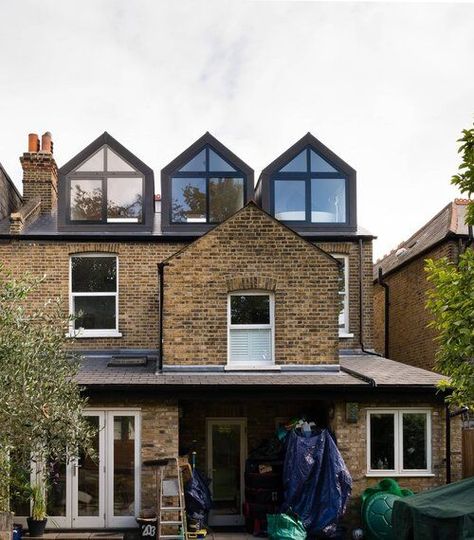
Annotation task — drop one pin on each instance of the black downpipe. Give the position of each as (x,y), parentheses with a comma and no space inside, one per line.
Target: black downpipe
(386,344)
(448,445)
(161,279)
(361,301)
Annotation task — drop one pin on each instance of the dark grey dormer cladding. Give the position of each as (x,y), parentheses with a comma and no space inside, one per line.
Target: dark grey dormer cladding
(203,186)
(105,188)
(310,189)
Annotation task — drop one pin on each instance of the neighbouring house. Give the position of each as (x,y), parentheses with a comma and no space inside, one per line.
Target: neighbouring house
(399,279)
(212,315)
(10,198)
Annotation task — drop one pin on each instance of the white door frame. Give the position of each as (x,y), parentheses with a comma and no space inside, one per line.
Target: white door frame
(237,519)
(106,478)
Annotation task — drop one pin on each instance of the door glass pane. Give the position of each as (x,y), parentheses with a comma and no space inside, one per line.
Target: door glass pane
(217,164)
(86,200)
(290,200)
(226,196)
(188,200)
(56,496)
(297,164)
(250,309)
(88,477)
(328,200)
(124,200)
(94,163)
(97,312)
(382,441)
(226,460)
(414,441)
(124,465)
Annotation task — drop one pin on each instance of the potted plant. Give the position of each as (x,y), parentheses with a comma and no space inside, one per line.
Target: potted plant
(37,521)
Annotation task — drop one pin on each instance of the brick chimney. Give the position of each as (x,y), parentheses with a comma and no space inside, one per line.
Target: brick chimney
(40,172)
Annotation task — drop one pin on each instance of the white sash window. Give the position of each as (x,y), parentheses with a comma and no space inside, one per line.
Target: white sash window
(251,329)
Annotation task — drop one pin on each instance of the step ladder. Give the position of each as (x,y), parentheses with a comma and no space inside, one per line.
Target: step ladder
(171,516)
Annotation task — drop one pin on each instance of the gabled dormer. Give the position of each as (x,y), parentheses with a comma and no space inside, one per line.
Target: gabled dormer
(203,186)
(105,188)
(310,189)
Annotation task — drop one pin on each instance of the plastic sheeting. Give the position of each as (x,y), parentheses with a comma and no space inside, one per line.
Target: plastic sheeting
(198,499)
(285,527)
(316,482)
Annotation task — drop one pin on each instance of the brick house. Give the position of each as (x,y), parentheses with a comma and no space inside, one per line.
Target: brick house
(206,324)
(400,285)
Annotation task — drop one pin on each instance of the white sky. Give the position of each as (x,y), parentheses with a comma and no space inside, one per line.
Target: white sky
(387,86)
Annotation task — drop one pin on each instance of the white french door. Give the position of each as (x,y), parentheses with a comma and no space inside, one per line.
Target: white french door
(103,490)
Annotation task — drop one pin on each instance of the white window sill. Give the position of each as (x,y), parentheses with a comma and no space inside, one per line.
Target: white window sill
(389,474)
(97,334)
(345,335)
(252,367)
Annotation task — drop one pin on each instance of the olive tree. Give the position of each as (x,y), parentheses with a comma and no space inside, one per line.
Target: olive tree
(40,401)
(451,299)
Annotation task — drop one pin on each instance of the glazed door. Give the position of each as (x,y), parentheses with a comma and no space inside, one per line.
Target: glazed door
(226,454)
(88,479)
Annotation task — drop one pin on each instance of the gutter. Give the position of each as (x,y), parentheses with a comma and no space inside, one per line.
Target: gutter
(359,376)
(381,282)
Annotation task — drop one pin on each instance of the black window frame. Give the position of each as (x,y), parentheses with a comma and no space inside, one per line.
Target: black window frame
(207,175)
(265,188)
(68,172)
(307,177)
(172,170)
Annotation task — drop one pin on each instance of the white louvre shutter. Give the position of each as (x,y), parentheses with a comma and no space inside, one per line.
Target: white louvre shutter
(251,346)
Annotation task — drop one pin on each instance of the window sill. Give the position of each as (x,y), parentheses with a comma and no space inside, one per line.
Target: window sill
(345,335)
(388,474)
(252,367)
(98,334)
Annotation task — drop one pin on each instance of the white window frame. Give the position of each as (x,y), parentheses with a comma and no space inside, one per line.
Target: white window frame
(344,332)
(399,470)
(94,333)
(252,365)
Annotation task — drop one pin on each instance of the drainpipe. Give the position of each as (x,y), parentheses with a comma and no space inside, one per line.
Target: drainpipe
(361,301)
(448,445)
(386,334)
(161,280)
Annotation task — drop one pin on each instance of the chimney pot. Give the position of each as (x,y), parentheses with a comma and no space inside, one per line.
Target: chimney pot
(47,143)
(33,143)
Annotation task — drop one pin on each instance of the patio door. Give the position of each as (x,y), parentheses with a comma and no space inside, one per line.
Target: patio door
(226,454)
(103,490)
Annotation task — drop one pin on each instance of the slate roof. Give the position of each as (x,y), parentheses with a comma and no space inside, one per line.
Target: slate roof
(358,371)
(448,222)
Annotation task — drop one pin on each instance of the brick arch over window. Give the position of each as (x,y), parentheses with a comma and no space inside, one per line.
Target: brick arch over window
(95,248)
(246,283)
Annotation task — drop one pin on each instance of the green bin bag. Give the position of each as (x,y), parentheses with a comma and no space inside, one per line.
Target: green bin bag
(285,527)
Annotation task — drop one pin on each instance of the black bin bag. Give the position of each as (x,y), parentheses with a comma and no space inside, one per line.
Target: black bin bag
(316,482)
(198,500)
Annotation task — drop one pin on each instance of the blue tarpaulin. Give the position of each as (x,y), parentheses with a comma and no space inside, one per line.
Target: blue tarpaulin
(316,482)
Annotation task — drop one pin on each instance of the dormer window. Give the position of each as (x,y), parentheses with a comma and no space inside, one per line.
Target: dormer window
(310,188)
(105,187)
(204,186)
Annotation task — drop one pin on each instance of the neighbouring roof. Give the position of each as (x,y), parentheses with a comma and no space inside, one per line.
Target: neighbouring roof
(358,371)
(449,222)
